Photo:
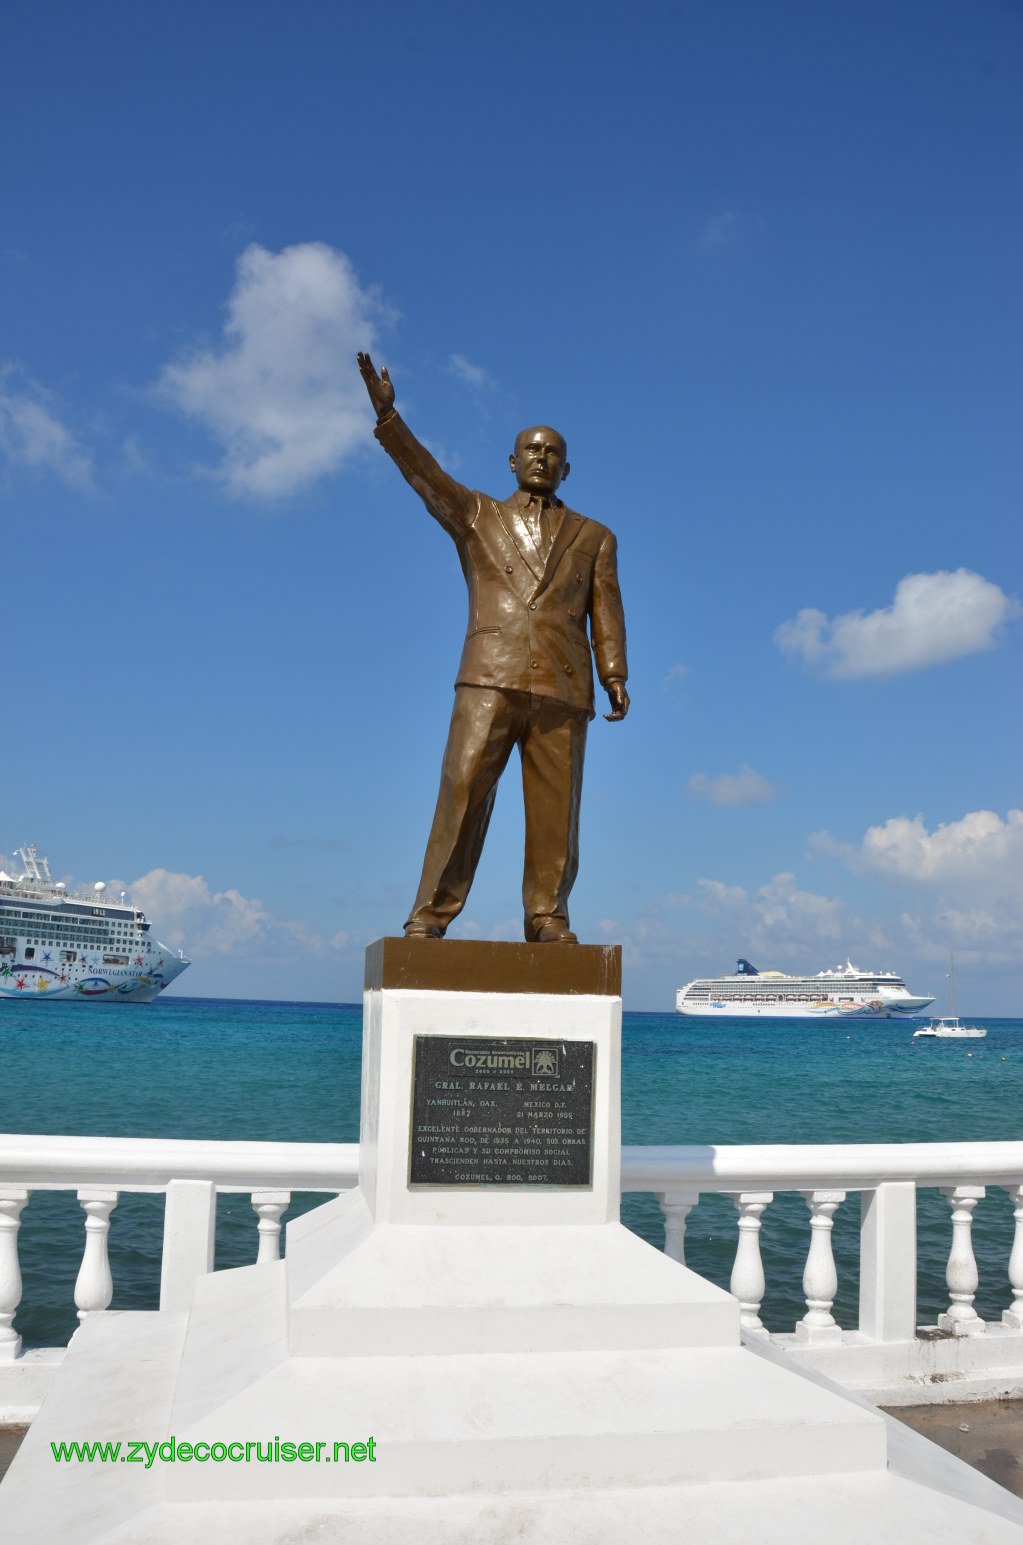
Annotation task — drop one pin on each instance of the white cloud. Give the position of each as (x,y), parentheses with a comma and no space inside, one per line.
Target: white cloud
(282,392)
(718,895)
(779,925)
(781,910)
(719,230)
(31,434)
(967,873)
(186,914)
(472,375)
(745,787)
(678,672)
(932,618)
(980,847)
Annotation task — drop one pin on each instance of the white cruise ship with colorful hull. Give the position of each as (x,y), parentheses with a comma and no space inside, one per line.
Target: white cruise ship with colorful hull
(845,993)
(56,943)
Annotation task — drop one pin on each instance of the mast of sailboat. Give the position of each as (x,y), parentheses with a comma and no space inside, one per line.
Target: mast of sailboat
(952,982)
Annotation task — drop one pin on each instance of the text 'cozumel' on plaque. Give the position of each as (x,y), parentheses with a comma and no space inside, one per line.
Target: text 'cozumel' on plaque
(515,1112)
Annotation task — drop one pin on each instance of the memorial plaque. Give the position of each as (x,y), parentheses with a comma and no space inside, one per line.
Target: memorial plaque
(508,1112)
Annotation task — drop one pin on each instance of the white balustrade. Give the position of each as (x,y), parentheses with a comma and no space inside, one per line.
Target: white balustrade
(820,1278)
(747,1283)
(676,1207)
(270,1208)
(961,1318)
(95,1286)
(191,1175)
(11,1203)
(1013,1316)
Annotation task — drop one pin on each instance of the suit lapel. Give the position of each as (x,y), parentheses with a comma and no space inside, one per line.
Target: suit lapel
(519,532)
(571,524)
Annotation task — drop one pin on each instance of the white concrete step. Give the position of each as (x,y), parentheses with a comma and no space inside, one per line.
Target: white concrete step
(876,1509)
(540,1422)
(116,1383)
(360,1290)
(123,1370)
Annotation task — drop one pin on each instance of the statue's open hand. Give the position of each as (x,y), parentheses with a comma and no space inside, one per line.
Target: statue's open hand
(381,392)
(619,700)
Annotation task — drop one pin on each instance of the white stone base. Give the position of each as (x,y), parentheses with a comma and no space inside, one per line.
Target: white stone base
(119,1383)
(931,1369)
(25,1382)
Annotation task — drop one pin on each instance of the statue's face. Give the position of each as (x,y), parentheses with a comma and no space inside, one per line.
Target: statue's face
(539,460)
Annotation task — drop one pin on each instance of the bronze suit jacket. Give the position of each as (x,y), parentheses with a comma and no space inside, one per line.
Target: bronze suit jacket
(527,618)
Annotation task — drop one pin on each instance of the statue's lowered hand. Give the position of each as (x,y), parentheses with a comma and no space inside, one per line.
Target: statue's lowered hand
(619,700)
(381,392)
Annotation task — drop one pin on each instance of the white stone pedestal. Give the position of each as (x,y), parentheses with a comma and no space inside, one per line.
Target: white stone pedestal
(498,1360)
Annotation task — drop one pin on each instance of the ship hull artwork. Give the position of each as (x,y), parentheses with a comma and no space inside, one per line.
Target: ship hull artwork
(845,993)
(56,943)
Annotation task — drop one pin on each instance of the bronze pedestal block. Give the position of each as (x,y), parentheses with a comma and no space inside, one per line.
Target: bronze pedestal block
(475,965)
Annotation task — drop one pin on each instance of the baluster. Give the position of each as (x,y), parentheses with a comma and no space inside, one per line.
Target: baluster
(189,1239)
(1013,1316)
(676,1207)
(888,1261)
(270,1207)
(961,1274)
(820,1278)
(11,1203)
(747,1283)
(95,1288)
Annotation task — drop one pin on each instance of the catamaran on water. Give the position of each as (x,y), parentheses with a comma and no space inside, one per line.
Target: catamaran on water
(845,993)
(948,1027)
(56,943)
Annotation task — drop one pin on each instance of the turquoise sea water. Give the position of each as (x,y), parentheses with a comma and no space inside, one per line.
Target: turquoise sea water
(290,1072)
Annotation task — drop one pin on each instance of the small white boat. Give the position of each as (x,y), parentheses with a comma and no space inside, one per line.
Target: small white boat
(949,1028)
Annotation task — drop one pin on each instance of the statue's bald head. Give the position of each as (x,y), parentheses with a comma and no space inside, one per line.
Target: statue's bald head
(540,460)
(545,434)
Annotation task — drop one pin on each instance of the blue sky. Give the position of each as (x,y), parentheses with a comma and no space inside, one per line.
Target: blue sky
(759,262)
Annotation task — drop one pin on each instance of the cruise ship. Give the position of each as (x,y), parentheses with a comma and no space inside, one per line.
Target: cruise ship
(845,993)
(56,943)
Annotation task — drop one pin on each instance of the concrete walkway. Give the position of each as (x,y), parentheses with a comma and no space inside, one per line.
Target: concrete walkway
(10,1442)
(988,1435)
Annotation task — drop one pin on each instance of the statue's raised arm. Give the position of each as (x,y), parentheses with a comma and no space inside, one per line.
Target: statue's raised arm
(381,392)
(446,499)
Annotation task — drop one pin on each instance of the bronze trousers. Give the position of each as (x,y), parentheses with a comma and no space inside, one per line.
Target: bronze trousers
(485,725)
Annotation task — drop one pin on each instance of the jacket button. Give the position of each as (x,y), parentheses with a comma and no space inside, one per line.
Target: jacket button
(568,670)
(532,606)
(507,568)
(571,613)
(534,665)
(578,579)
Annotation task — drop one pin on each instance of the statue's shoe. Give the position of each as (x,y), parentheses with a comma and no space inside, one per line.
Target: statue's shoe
(555,933)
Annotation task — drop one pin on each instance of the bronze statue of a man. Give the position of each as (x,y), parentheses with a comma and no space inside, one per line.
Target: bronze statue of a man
(536,571)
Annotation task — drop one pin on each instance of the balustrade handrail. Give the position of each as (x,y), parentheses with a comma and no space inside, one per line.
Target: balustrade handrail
(798,1166)
(45,1162)
(150,1164)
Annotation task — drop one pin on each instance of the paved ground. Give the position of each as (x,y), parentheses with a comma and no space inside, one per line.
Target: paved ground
(988,1435)
(10,1438)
